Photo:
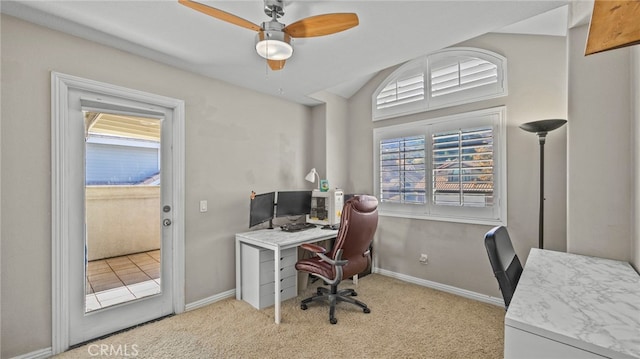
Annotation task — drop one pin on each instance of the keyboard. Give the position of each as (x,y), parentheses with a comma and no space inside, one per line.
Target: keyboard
(296,227)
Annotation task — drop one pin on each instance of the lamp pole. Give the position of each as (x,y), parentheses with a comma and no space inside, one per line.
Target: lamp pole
(541,128)
(542,136)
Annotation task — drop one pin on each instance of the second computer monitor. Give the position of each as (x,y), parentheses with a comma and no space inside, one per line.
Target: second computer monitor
(293,203)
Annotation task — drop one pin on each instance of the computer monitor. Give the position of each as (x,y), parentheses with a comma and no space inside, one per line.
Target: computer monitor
(261,209)
(293,203)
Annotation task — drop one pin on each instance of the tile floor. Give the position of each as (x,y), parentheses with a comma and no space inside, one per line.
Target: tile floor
(120,279)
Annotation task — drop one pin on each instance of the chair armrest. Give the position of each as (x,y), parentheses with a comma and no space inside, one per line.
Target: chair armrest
(313,248)
(337,265)
(338,262)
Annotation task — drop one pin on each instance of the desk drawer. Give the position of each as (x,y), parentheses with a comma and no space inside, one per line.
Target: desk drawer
(287,266)
(286,282)
(267,254)
(268,276)
(288,259)
(267,295)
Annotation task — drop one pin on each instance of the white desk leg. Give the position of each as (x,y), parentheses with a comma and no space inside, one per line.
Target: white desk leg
(276,257)
(238,274)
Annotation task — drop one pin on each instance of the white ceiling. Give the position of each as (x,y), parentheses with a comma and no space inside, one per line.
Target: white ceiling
(390,32)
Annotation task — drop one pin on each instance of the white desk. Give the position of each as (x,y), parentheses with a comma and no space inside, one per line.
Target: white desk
(573,306)
(276,240)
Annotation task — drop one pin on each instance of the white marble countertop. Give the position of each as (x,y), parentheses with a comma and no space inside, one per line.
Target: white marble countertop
(587,302)
(278,237)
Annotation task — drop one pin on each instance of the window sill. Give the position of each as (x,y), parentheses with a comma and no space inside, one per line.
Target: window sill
(430,217)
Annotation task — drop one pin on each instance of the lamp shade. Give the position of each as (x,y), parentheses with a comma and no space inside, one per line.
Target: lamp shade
(311,176)
(543,125)
(273,45)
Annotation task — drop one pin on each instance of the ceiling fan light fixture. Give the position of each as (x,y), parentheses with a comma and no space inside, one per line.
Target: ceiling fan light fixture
(273,45)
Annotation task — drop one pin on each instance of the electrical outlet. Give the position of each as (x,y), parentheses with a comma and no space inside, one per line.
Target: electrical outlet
(203,206)
(423,258)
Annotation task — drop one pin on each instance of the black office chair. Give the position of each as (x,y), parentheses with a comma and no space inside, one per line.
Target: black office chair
(349,256)
(504,261)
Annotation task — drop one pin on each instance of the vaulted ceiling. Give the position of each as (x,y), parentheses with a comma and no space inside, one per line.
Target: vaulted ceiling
(389,33)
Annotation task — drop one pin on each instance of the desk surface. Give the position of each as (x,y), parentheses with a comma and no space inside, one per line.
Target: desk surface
(586,302)
(277,237)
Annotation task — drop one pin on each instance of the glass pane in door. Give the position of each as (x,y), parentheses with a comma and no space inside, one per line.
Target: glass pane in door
(122,209)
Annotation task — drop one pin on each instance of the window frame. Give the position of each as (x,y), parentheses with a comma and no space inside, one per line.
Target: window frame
(495,215)
(424,66)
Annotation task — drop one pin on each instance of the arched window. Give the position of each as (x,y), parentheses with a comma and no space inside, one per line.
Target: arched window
(449,77)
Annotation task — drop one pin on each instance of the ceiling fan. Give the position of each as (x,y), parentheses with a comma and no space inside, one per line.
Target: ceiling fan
(273,41)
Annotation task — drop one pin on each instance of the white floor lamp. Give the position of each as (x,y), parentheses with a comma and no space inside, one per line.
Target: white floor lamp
(541,128)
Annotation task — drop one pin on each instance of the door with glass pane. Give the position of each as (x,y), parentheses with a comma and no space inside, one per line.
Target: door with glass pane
(120,245)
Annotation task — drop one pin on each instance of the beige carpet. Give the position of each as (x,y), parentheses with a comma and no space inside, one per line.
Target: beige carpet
(406,321)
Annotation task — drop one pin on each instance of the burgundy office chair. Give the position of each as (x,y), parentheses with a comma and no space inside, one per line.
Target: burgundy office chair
(349,256)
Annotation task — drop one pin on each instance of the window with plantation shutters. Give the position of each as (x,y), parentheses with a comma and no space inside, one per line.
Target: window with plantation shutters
(402,170)
(449,77)
(462,167)
(450,168)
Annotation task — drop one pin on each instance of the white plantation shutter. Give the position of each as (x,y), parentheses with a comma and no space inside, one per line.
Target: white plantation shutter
(459,76)
(462,167)
(462,75)
(401,92)
(402,170)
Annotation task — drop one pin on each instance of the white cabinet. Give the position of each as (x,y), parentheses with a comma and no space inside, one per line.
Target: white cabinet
(573,306)
(258,275)
(521,344)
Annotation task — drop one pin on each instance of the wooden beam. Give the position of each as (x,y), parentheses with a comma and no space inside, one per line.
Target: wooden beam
(614,24)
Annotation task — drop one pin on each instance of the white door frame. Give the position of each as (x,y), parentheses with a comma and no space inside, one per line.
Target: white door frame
(60,219)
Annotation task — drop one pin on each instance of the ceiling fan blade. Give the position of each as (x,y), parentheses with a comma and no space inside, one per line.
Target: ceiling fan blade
(321,25)
(276,65)
(221,15)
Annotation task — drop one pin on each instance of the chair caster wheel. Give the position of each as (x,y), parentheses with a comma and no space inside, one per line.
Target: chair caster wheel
(303,306)
(366,310)
(333,320)
(354,294)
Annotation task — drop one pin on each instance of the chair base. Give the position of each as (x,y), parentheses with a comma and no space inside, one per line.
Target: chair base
(334,296)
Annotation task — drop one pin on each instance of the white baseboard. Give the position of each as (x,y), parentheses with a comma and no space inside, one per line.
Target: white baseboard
(442,287)
(212,299)
(38,354)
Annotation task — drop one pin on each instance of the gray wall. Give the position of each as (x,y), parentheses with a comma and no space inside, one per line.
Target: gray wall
(318,140)
(635,99)
(537,90)
(233,146)
(1,240)
(334,117)
(599,216)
